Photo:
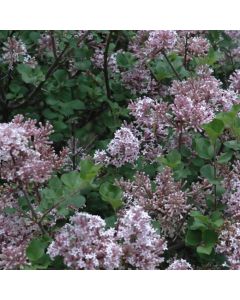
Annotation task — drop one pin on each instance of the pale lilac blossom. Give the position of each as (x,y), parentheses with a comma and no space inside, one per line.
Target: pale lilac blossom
(180,264)
(13,51)
(143,247)
(26,152)
(85,244)
(229,244)
(124,148)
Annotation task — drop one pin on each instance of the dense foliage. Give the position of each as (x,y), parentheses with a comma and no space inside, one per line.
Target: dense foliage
(120,150)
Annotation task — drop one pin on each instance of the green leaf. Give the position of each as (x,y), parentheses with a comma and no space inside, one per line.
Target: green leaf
(49,114)
(59,125)
(229,118)
(205,249)
(83,65)
(204,149)
(156,225)
(195,213)
(185,151)
(207,171)
(201,222)
(209,237)
(198,225)
(25,72)
(197,161)
(55,183)
(173,158)
(125,59)
(88,170)
(30,75)
(77,104)
(235,145)
(218,223)
(203,219)
(220,190)
(214,129)
(193,237)
(111,221)
(210,59)
(72,180)
(217,219)
(111,194)
(162,70)
(77,201)
(60,76)
(225,157)
(36,248)
(181,172)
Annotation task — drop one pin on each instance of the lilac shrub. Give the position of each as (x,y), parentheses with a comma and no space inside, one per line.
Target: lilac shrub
(120,150)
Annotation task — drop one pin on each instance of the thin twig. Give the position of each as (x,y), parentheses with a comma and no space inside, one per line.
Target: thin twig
(105,65)
(53,44)
(38,88)
(73,129)
(38,222)
(63,198)
(180,137)
(49,73)
(37,193)
(215,174)
(171,66)
(185,53)
(3,103)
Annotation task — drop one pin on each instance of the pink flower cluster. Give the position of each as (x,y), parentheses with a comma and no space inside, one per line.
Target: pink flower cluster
(85,244)
(140,81)
(26,153)
(151,123)
(13,50)
(234,53)
(149,113)
(197,99)
(190,113)
(124,148)
(229,244)
(160,41)
(191,44)
(232,195)
(232,199)
(188,44)
(179,264)
(15,234)
(234,34)
(235,81)
(143,136)
(8,197)
(138,43)
(142,246)
(166,202)
(98,60)
(45,42)
(198,46)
